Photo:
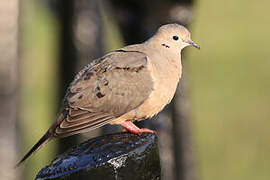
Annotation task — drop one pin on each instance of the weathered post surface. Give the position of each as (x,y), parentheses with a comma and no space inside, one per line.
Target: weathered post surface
(111,157)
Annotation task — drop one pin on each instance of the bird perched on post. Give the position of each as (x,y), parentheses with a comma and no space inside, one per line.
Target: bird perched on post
(128,84)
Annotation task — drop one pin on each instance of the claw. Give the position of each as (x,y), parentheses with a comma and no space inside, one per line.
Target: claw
(130,127)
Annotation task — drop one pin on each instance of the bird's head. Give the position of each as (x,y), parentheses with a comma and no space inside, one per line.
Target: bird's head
(174,36)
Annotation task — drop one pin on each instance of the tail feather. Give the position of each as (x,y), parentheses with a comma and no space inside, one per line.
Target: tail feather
(43,140)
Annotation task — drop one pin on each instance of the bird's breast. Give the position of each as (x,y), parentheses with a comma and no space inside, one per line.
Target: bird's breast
(166,76)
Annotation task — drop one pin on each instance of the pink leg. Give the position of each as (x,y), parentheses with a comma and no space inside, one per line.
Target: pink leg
(130,127)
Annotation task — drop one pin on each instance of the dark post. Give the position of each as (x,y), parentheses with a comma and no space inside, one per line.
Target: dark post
(80,43)
(111,157)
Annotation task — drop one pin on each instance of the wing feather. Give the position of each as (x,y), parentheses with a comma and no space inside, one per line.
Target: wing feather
(89,118)
(60,132)
(103,91)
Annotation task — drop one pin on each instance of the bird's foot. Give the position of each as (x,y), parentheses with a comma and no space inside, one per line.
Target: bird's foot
(130,127)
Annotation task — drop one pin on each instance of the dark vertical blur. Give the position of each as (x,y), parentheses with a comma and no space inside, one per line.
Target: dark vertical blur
(80,42)
(9,12)
(67,56)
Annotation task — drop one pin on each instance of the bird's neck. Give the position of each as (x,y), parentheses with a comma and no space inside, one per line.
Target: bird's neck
(169,56)
(165,63)
(160,56)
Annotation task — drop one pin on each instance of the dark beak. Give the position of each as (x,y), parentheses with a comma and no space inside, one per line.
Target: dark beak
(193,44)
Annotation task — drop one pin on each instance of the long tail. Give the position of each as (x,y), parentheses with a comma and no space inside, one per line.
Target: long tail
(43,140)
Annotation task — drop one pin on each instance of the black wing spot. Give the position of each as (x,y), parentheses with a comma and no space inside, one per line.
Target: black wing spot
(70,94)
(80,97)
(88,76)
(100,95)
(72,102)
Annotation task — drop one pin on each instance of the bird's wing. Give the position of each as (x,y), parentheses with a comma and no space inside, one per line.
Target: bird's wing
(104,90)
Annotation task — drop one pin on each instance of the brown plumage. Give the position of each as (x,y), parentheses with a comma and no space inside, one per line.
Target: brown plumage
(131,83)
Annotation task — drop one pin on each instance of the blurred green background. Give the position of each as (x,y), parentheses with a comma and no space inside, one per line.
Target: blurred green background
(38,76)
(229,85)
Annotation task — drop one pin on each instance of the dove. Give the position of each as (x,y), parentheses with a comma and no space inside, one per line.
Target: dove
(129,84)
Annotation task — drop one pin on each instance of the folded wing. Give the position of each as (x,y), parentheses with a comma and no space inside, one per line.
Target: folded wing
(104,90)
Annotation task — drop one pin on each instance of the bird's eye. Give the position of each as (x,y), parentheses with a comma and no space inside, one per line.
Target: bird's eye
(175,38)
